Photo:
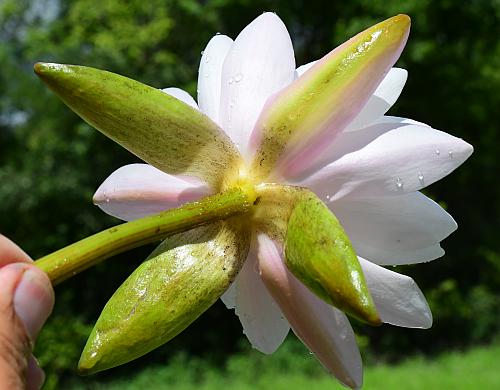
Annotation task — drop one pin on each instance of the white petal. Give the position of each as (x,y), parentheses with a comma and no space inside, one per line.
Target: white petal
(182,95)
(262,320)
(397,297)
(322,328)
(260,63)
(303,68)
(210,73)
(382,99)
(137,190)
(388,159)
(388,119)
(229,297)
(395,230)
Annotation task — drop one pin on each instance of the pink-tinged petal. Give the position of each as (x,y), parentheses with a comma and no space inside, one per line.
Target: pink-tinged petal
(303,69)
(322,328)
(137,190)
(298,124)
(182,95)
(398,299)
(260,63)
(388,159)
(394,230)
(382,99)
(210,74)
(261,318)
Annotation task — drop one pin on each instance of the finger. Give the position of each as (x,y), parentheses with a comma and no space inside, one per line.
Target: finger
(33,299)
(35,376)
(11,253)
(26,300)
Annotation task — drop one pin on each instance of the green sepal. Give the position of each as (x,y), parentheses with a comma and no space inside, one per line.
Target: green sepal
(160,129)
(303,117)
(181,279)
(319,253)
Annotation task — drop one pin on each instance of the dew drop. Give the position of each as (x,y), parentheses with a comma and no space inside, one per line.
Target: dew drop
(202,52)
(328,197)
(217,33)
(207,59)
(421,178)
(450,154)
(438,152)
(238,78)
(231,80)
(399,183)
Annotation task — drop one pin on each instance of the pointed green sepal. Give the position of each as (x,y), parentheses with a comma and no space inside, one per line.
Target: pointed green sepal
(319,253)
(300,122)
(181,279)
(160,129)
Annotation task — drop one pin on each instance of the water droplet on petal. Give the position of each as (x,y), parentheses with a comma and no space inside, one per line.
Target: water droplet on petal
(438,152)
(207,59)
(217,33)
(399,183)
(450,154)
(238,78)
(231,80)
(421,178)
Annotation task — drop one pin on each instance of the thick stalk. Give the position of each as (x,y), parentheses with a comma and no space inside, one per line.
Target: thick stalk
(83,254)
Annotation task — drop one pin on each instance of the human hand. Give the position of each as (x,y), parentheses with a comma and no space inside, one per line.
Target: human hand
(26,300)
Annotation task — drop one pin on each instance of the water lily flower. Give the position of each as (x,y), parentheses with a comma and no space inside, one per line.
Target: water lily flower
(321,126)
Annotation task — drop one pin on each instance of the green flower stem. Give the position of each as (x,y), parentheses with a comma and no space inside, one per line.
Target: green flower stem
(83,254)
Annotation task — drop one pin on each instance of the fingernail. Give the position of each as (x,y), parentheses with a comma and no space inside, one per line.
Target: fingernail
(33,300)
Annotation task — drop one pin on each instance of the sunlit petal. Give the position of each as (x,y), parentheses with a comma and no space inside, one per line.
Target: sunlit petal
(402,229)
(303,68)
(260,63)
(182,95)
(388,159)
(210,74)
(382,99)
(136,190)
(398,299)
(261,318)
(322,328)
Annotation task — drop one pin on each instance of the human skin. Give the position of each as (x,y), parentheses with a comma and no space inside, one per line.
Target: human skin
(26,301)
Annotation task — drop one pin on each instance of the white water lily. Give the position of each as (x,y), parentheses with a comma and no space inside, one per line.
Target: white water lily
(368,168)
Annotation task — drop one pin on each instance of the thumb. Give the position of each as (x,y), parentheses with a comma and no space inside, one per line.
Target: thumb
(26,300)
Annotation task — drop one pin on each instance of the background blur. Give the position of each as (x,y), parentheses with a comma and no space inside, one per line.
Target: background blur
(51,162)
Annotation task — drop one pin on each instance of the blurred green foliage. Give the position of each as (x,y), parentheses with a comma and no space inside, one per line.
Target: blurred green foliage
(51,162)
(293,368)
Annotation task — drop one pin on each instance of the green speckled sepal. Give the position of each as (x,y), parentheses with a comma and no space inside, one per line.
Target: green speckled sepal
(319,253)
(181,279)
(158,128)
